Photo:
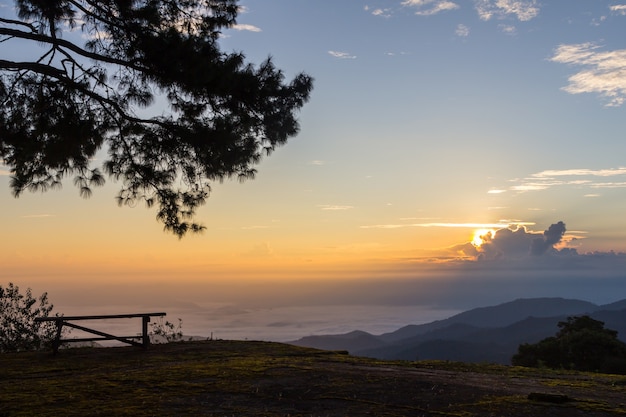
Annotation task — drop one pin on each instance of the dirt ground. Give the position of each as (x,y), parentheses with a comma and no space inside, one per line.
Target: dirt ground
(237,378)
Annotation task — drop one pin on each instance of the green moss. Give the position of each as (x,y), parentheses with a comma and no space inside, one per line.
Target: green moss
(224,378)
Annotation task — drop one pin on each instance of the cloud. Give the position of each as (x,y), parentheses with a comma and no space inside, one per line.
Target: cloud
(459,225)
(550,237)
(619,9)
(262,250)
(387,226)
(464,225)
(244,27)
(508,29)
(581,177)
(4,172)
(254,227)
(462,31)
(397,53)
(317,162)
(430,7)
(604,72)
(609,185)
(335,208)
(379,12)
(341,55)
(579,172)
(519,243)
(523,10)
(37,216)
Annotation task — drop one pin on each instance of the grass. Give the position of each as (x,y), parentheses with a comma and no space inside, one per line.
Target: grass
(237,378)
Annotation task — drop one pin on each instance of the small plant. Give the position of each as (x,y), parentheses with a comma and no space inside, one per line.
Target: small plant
(167,331)
(18,329)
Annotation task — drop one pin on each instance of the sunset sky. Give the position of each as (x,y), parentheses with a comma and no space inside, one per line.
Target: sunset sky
(429,121)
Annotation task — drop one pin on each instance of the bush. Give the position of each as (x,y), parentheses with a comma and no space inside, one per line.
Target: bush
(18,329)
(581,344)
(166,331)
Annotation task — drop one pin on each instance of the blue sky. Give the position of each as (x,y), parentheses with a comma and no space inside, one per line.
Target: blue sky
(463,112)
(429,121)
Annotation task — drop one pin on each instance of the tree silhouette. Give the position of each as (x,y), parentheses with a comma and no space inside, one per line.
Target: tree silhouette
(152,87)
(18,330)
(582,343)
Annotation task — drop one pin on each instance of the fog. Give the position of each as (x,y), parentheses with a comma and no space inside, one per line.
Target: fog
(287,309)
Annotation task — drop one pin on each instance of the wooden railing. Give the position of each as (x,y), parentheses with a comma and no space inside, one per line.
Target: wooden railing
(61,321)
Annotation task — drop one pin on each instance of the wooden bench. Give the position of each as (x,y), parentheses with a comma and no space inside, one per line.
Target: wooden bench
(61,321)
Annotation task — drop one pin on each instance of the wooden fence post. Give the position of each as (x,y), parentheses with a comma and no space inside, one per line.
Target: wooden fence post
(57,340)
(61,321)
(144,328)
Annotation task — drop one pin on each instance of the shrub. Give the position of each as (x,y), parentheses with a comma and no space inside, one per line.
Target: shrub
(166,331)
(18,329)
(582,344)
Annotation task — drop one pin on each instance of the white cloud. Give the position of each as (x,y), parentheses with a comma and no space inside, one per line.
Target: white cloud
(580,172)
(244,27)
(618,9)
(462,31)
(609,185)
(508,29)
(530,187)
(518,242)
(523,10)
(317,162)
(381,12)
(430,7)
(335,208)
(401,53)
(469,225)
(387,226)
(341,55)
(570,177)
(603,73)
(598,21)
(448,225)
(37,216)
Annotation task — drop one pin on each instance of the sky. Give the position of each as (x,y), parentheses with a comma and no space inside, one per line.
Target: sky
(454,153)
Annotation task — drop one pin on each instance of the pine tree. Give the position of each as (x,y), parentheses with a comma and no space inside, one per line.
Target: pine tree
(152,87)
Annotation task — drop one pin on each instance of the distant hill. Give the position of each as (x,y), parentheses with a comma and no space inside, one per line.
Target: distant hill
(618,305)
(486,334)
(500,315)
(358,338)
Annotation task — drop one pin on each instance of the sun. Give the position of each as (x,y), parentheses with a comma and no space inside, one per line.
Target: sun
(481,236)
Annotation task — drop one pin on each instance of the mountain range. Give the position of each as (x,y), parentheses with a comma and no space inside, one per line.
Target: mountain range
(487,334)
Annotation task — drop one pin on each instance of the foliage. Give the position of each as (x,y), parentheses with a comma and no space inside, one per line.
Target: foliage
(216,115)
(18,330)
(582,343)
(167,330)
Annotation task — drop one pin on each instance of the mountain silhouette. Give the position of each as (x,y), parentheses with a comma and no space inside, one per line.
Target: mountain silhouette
(485,334)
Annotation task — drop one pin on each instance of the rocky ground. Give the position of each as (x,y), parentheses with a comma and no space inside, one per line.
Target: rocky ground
(243,378)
